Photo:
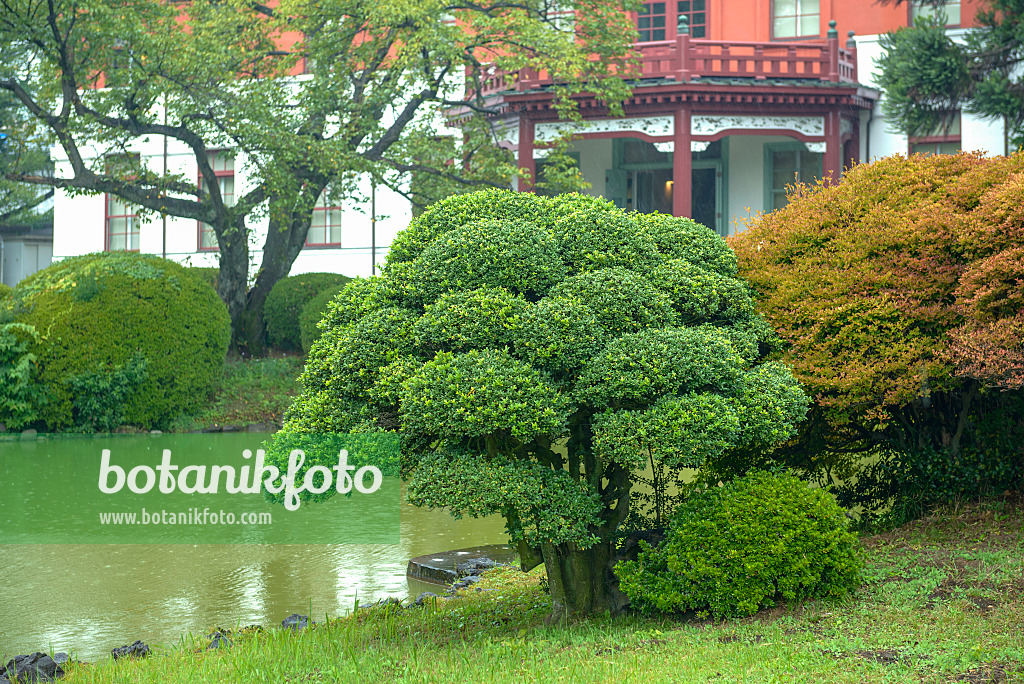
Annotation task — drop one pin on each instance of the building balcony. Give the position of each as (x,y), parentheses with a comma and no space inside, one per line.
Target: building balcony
(687,59)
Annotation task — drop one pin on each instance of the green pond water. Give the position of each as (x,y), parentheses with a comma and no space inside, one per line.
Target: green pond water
(89,598)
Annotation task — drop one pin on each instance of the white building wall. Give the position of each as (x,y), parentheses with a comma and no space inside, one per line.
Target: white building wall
(595,161)
(746,177)
(976,133)
(80,221)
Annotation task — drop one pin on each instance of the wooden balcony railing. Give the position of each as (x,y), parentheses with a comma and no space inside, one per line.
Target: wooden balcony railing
(686,59)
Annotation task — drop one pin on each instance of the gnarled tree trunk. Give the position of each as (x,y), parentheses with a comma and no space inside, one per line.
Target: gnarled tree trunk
(582,581)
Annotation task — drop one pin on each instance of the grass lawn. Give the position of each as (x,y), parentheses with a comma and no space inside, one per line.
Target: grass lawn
(252,391)
(942,601)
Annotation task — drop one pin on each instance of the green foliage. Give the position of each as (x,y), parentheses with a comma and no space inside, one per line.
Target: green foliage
(480,393)
(5,291)
(535,364)
(476,486)
(488,317)
(99,396)
(312,313)
(103,317)
(516,256)
(734,549)
(924,75)
(458,211)
(19,393)
(893,295)
(285,303)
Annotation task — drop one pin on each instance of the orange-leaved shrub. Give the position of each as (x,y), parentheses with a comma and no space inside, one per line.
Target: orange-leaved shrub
(899,295)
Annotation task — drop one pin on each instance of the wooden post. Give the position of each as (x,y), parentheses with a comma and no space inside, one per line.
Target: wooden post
(525,160)
(832,163)
(682,165)
(832,38)
(851,50)
(683,48)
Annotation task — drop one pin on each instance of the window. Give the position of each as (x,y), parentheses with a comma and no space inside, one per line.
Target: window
(696,15)
(223,164)
(560,15)
(786,164)
(796,18)
(650,21)
(122,221)
(943,140)
(325,228)
(951,9)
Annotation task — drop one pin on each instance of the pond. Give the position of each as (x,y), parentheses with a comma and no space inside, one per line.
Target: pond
(90,598)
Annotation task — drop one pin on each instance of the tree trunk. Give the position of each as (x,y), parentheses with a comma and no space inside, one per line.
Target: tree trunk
(582,582)
(285,239)
(233,282)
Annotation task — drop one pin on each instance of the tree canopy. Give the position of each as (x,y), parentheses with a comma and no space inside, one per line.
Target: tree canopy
(314,94)
(928,78)
(539,356)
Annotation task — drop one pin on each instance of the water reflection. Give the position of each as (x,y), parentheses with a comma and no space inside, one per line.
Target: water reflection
(92,598)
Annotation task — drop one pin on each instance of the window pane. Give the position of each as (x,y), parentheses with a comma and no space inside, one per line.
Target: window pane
(117,242)
(697,32)
(644,37)
(659,22)
(810,7)
(315,236)
(227,190)
(785,8)
(784,27)
(809,25)
(207,238)
(643,22)
(698,5)
(334,219)
(683,7)
(659,8)
(948,147)
(658,34)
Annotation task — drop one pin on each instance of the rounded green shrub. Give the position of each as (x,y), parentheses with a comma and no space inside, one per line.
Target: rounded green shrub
(126,339)
(734,549)
(285,302)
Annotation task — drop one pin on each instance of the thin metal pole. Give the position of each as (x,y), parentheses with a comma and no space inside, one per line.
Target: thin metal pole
(373,227)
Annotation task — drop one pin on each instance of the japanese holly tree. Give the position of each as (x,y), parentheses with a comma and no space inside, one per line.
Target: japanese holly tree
(538,356)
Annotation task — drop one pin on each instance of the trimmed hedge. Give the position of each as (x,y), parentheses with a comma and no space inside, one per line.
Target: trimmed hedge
(285,302)
(126,338)
(732,550)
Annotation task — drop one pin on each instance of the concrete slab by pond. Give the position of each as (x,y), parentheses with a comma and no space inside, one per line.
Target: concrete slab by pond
(441,568)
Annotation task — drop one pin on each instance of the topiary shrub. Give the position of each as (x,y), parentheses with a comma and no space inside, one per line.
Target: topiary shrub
(539,356)
(285,302)
(156,329)
(732,550)
(312,313)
